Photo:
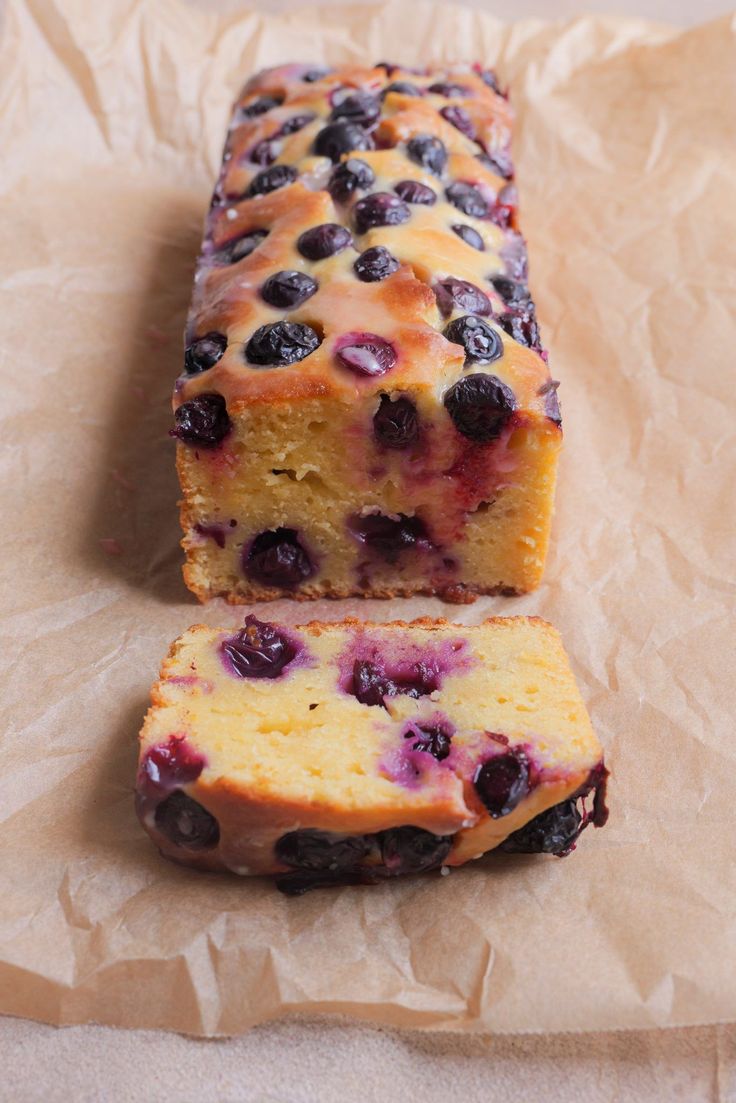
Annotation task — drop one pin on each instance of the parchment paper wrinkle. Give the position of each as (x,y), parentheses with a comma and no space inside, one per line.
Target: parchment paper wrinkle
(112,119)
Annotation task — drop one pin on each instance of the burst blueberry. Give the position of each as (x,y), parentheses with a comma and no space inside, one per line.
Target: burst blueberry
(429,152)
(371,683)
(280,343)
(554,831)
(375,264)
(434,739)
(202,420)
(366,354)
(379,209)
(204,352)
(277,558)
(480,340)
(258,650)
(480,406)
(288,289)
(323,241)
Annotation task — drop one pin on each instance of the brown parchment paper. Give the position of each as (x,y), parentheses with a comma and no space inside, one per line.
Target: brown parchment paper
(112,118)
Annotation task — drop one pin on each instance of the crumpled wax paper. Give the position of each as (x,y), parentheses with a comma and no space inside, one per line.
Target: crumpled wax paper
(112,119)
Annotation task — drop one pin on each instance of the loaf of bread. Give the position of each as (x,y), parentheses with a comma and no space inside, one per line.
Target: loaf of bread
(365,406)
(352,752)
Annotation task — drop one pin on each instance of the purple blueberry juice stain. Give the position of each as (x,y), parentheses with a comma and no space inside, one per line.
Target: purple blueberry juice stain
(259,650)
(214,530)
(431,736)
(374,669)
(167,766)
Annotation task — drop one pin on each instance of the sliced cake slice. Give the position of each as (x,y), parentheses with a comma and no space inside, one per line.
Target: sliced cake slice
(351,752)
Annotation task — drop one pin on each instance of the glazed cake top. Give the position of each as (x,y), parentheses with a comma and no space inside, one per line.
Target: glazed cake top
(413,167)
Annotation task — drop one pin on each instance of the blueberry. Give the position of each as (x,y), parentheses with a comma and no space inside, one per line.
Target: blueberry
(429,152)
(460,119)
(480,405)
(323,241)
(481,341)
(264,152)
(357,107)
(371,683)
(468,199)
(522,327)
(453,294)
(186,823)
(341,137)
(403,87)
(449,90)
(280,343)
(513,253)
(502,782)
(500,163)
(554,831)
(348,177)
(276,558)
(204,352)
(551,402)
(288,289)
(278,176)
(469,236)
(313,75)
(295,123)
(367,354)
(259,650)
(435,739)
(513,292)
(411,191)
(241,248)
(202,420)
(395,423)
(375,264)
(261,106)
(379,209)
(321,850)
(412,850)
(387,536)
(489,78)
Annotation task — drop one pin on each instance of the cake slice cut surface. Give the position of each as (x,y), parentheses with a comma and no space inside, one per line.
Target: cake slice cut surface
(353,752)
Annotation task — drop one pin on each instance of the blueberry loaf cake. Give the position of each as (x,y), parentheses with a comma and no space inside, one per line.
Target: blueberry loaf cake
(352,752)
(365,407)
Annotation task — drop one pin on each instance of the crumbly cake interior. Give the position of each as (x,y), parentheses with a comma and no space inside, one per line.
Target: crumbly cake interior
(365,406)
(355,751)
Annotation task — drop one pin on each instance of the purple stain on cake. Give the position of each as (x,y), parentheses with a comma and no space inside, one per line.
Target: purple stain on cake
(259,650)
(433,736)
(168,766)
(503,781)
(374,669)
(214,530)
(365,354)
(278,558)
